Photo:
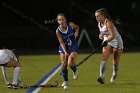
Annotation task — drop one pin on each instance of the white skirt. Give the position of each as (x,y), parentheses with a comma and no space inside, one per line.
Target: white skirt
(6,55)
(4,59)
(116,42)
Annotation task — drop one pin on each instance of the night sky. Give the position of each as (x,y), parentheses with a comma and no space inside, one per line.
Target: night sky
(22,21)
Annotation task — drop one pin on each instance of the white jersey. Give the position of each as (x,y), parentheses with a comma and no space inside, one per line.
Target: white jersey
(117,41)
(6,55)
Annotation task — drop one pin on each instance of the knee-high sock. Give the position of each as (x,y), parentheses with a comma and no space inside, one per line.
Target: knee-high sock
(64,74)
(16,75)
(115,70)
(5,75)
(102,69)
(74,68)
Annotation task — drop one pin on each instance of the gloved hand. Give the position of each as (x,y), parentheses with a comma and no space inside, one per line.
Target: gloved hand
(104,43)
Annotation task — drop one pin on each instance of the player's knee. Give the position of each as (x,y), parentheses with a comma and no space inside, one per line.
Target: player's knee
(18,64)
(104,58)
(69,64)
(116,61)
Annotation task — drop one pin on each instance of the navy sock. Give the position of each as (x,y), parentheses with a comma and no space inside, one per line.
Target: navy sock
(64,74)
(74,69)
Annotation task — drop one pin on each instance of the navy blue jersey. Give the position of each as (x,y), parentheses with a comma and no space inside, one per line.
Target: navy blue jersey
(68,39)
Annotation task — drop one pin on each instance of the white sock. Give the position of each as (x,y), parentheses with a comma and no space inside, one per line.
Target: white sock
(5,75)
(102,69)
(16,75)
(115,70)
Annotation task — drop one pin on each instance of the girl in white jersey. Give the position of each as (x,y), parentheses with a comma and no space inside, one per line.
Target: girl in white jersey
(9,58)
(111,41)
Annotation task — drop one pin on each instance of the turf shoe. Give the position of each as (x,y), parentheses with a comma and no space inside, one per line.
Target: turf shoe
(75,75)
(15,86)
(113,78)
(101,80)
(9,85)
(65,85)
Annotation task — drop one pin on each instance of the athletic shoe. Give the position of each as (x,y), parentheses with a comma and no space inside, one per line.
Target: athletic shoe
(65,85)
(113,78)
(75,75)
(15,86)
(101,80)
(9,85)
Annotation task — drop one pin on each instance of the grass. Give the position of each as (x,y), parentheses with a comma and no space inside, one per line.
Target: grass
(36,66)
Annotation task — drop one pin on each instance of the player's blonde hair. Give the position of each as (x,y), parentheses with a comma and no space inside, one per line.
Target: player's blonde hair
(61,14)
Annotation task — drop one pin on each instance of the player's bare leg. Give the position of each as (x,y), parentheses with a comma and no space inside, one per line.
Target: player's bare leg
(117,53)
(4,72)
(15,64)
(72,65)
(105,55)
(64,71)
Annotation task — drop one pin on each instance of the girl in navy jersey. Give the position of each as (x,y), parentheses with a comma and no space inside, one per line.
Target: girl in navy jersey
(67,33)
(111,41)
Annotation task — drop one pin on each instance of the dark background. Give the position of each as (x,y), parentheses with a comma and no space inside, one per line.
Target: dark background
(22,22)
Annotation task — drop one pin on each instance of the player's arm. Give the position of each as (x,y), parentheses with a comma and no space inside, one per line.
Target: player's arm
(110,27)
(75,28)
(61,42)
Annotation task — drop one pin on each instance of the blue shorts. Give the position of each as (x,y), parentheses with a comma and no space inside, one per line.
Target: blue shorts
(70,49)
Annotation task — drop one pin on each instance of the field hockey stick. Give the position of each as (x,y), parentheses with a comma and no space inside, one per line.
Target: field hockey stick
(86,58)
(4,4)
(44,86)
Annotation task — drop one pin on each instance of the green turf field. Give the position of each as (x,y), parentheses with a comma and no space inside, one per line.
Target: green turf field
(36,66)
